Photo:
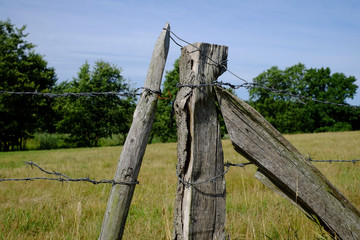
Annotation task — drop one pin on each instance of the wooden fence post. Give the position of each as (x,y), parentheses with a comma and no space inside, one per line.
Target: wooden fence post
(200,206)
(134,148)
(285,170)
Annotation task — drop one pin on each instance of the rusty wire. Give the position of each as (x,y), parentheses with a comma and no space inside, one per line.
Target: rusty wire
(63,178)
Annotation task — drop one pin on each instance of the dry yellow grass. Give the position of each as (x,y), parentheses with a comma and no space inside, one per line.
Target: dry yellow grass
(54,210)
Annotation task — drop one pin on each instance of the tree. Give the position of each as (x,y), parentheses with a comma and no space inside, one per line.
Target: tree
(21,69)
(164,127)
(87,119)
(289,114)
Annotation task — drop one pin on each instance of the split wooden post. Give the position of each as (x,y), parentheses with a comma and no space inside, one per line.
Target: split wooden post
(134,148)
(285,170)
(200,207)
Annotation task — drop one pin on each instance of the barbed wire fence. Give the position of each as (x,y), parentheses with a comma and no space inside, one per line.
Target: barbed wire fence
(60,177)
(249,85)
(138,91)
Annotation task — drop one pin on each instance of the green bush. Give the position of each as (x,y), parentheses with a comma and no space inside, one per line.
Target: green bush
(337,127)
(114,140)
(45,141)
(48,141)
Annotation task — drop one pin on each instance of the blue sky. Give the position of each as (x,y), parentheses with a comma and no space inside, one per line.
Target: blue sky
(259,33)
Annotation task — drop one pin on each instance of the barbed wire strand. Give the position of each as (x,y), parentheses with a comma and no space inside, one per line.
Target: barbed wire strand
(63,178)
(86,94)
(331,161)
(227,165)
(297,97)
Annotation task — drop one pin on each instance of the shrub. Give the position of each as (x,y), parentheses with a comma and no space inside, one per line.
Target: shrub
(45,141)
(337,127)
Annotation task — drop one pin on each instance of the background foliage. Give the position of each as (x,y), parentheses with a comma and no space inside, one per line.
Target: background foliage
(291,115)
(164,127)
(92,121)
(21,69)
(87,119)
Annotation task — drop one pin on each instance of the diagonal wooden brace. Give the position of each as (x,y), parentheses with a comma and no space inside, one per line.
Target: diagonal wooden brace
(285,170)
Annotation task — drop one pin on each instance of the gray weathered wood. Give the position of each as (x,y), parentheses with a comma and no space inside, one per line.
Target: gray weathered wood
(283,168)
(200,209)
(134,148)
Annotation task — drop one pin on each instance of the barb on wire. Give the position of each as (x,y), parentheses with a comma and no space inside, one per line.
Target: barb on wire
(226,165)
(63,178)
(331,161)
(237,164)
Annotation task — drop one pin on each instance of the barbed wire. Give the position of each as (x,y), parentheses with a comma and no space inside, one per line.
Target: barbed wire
(63,178)
(247,84)
(135,92)
(132,93)
(297,97)
(331,161)
(227,165)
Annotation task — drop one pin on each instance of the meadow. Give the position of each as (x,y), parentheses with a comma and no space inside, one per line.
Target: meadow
(54,210)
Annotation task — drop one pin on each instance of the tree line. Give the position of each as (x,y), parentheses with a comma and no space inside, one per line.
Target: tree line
(286,113)
(298,114)
(85,120)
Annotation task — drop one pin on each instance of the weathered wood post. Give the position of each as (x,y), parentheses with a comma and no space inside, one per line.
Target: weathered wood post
(285,170)
(134,148)
(200,206)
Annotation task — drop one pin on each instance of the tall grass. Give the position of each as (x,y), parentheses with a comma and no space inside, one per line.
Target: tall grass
(54,210)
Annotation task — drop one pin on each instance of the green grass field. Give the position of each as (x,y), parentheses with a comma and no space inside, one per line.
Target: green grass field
(53,210)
